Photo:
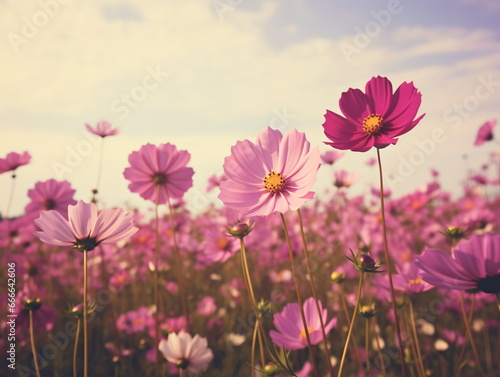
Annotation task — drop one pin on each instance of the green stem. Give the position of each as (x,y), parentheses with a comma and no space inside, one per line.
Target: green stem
(413,326)
(388,262)
(75,348)
(299,298)
(469,334)
(32,341)
(85,317)
(313,289)
(348,320)
(379,350)
(351,326)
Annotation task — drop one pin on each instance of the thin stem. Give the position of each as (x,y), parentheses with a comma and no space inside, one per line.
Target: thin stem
(469,334)
(388,262)
(367,345)
(11,194)
(85,315)
(32,341)
(258,325)
(299,298)
(351,326)
(313,289)
(75,348)
(156,284)
(99,170)
(466,337)
(348,320)
(180,266)
(413,326)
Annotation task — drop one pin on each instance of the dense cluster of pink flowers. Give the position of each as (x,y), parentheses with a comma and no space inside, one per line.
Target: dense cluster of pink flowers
(445,253)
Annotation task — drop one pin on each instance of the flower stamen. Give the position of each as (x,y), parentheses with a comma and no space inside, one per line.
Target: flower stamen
(303,333)
(274,182)
(372,124)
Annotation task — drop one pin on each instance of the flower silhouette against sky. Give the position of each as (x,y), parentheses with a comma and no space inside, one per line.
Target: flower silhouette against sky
(13,160)
(374,118)
(103,129)
(485,132)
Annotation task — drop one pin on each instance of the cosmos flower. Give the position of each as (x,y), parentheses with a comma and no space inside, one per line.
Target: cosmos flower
(292,335)
(474,265)
(85,229)
(13,160)
(103,129)
(135,321)
(273,175)
(186,352)
(485,132)
(374,118)
(330,157)
(158,173)
(49,195)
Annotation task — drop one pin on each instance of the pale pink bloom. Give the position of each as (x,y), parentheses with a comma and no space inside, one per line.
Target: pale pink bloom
(85,229)
(49,195)
(13,160)
(330,157)
(274,175)
(103,129)
(485,132)
(158,173)
(206,307)
(187,352)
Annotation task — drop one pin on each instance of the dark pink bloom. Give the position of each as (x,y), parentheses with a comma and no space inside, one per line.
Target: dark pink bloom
(158,173)
(13,160)
(274,175)
(135,321)
(292,335)
(103,129)
(475,264)
(485,132)
(85,228)
(217,246)
(206,307)
(374,118)
(187,352)
(49,195)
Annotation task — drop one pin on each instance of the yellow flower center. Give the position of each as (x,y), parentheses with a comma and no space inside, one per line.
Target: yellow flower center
(372,124)
(222,243)
(274,181)
(303,333)
(416,281)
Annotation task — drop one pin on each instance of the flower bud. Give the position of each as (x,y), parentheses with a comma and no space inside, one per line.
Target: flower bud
(337,277)
(366,261)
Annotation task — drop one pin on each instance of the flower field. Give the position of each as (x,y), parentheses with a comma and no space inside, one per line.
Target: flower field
(270,281)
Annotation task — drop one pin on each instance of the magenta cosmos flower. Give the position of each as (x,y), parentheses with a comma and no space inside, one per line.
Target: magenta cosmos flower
(103,129)
(292,335)
(374,118)
(158,173)
(85,229)
(274,175)
(186,352)
(474,265)
(485,132)
(13,160)
(49,195)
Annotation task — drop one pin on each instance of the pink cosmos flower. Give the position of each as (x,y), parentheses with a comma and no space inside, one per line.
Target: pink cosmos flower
(135,321)
(13,160)
(374,118)
(186,352)
(485,132)
(217,246)
(103,129)
(273,175)
(330,157)
(292,335)
(85,229)
(475,264)
(49,195)
(158,173)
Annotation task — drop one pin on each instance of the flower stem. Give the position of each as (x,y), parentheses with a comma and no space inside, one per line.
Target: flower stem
(313,289)
(351,326)
(85,329)
(348,320)
(379,350)
(99,170)
(156,284)
(258,326)
(388,262)
(32,341)
(11,195)
(469,334)
(75,348)
(299,298)
(413,326)
(180,267)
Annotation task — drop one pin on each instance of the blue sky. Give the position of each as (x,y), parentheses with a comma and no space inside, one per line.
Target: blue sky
(202,74)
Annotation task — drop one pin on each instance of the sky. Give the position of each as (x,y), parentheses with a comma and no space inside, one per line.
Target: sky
(203,74)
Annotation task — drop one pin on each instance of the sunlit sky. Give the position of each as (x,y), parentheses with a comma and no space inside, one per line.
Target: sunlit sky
(202,74)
